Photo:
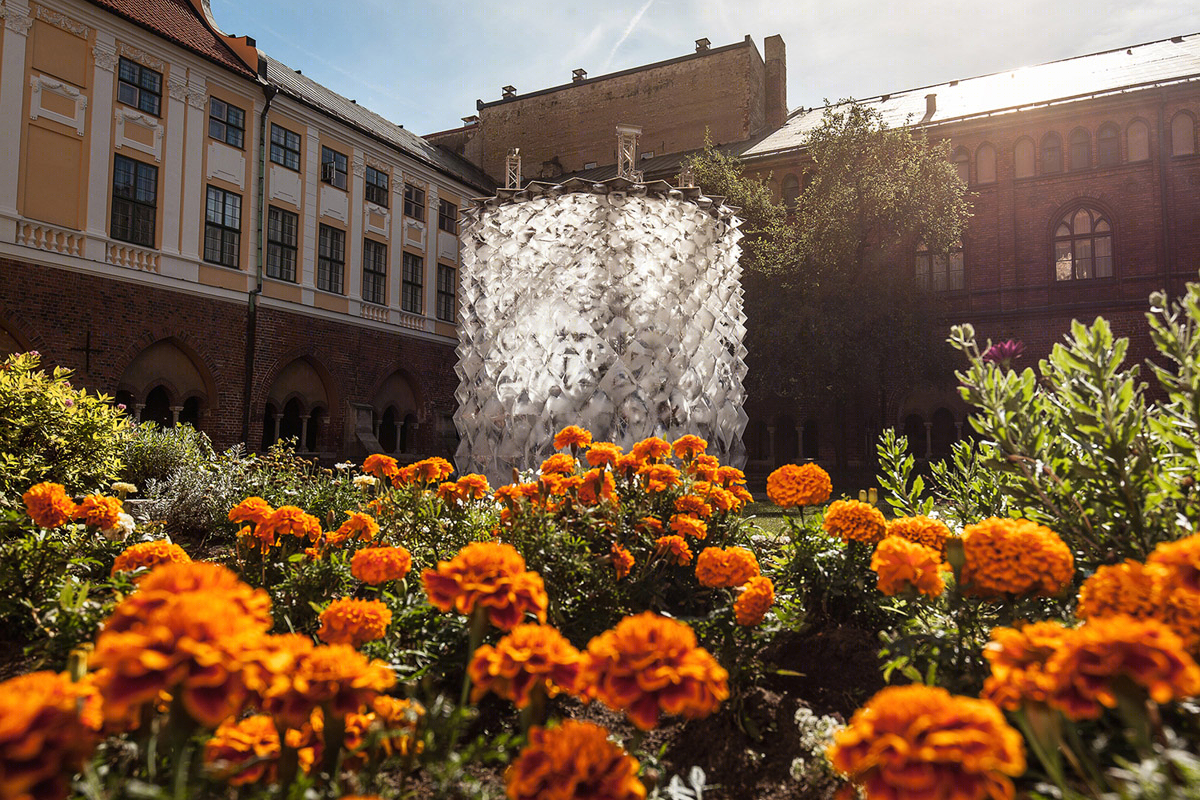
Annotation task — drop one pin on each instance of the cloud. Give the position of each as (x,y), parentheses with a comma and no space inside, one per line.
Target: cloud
(628,30)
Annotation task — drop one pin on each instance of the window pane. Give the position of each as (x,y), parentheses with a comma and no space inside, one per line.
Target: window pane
(956,270)
(1109,148)
(923,272)
(1103,246)
(1083,258)
(1023,159)
(1082,222)
(1062,261)
(1139,141)
(1183,134)
(985,164)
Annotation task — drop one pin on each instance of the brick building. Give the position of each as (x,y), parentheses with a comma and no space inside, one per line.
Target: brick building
(211,237)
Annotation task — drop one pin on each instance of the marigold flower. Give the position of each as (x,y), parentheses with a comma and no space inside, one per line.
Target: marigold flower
(649,664)
(243,751)
(627,465)
(336,674)
(686,525)
(726,567)
(448,492)
(622,560)
(293,521)
(432,470)
(376,565)
(854,521)
(528,657)
(1183,558)
(98,511)
(932,533)
(1014,557)
(757,597)
(1131,588)
(399,718)
(491,575)
(704,467)
(596,485)
(1018,658)
(48,729)
(357,527)
(405,476)
(650,525)
(729,476)
(674,548)
(660,477)
(723,499)
(572,436)
(353,622)
(573,760)
(168,582)
(741,493)
(149,554)
(902,564)
(921,740)
(651,449)
(688,447)
(799,485)
(603,454)
(690,504)
(381,466)
(473,487)
(48,505)
(559,464)
(252,509)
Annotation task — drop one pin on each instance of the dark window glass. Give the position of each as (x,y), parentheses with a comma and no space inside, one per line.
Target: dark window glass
(140,87)
(331,259)
(1051,154)
(135,201)
(282,228)
(222,227)
(1108,148)
(285,147)
(445,293)
(374,284)
(1083,245)
(333,167)
(447,216)
(791,191)
(226,123)
(414,202)
(1081,150)
(377,187)
(941,272)
(412,285)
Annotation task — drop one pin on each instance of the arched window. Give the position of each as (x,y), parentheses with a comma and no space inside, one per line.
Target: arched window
(1081,150)
(1183,134)
(985,164)
(387,430)
(1023,159)
(1139,141)
(312,430)
(939,271)
(290,426)
(914,431)
(962,162)
(791,191)
(158,408)
(1051,154)
(270,434)
(190,413)
(1083,245)
(1108,145)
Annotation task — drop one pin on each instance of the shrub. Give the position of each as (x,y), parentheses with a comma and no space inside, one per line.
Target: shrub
(153,452)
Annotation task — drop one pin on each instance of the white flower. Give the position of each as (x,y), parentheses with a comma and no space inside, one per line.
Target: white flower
(365,481)
(123,528)
(344,465)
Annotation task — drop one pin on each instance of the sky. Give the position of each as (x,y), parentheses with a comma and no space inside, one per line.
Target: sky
(423,65)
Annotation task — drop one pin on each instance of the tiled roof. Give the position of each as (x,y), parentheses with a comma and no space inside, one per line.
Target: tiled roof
(1124,69)
(178,22)
(308,91)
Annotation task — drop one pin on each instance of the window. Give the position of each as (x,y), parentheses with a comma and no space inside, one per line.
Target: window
(1183,134)
(374,284)
(377,187)
(445,293)
(1051,154)
(331,259)
(1138,138)
(1108,147)
(940,271)
(1083,245)
(226,123)
(447,216)
(135,201)
(985,164)
(791,191)
(140,87)
(962,163)
(414,202)
(411,286)
(333,167)
(222,227)
(285,147)
(282,227)
(1081,150)
(1023,157)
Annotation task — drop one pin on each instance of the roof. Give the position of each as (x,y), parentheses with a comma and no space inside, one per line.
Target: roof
(658,165)
(178,22)
(313,94)
(1110,72)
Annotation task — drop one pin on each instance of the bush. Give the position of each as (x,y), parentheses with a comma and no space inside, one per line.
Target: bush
(153,452)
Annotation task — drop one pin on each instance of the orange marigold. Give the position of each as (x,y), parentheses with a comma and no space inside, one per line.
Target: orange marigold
(650,525)
(1131,588)
(149,554)
(596,485)
(375,565)
(756,598)
(649,664)
(627,465)
(799,485)
(448,492)
(99,511)
(473,487)
(47,731)
(1183,558)
(660,477)
(728,476)
(491,575)
(674,548)
(1013,558)
(902,564)
(48,505)
(527,658)
(1018,658)
(622,560)
(688,447)
(405,476)
(252,509)
(243,751)
(704,467)
(932,533)
(725,567)
(690,504)
(855,521)
(353,622)
(686,525)
(336,674)
(293,521)
(603,454)
(921,740)
(651,449)
(434,469)
(381,466)
(357,527)
(573,760)
(572,436)
(741,493)
(167,582)
(399,719)
(559,464)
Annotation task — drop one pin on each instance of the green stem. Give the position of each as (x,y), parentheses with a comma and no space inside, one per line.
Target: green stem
(1051,763)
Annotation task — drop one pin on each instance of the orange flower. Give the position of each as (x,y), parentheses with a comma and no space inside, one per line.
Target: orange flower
(799,485)
(597,485)
(399,719)
(244,751)
(528,657)
(491,575)
(603,454)
(757,597)
(932,533)
(723,499)
(290,520)
(627,465)
(357,527)
(381,466)
(650,525)
(650,664)
(688,447)
(651,449)
(404,476)
(448,492)
(559,464)
(1014,557)
(728,476)
(660,477)
(48,729)
(1018,658)
(376,565)
(473,487)
(573,760)
(675,549)
(432,470)
(902,564)
(353,622)
(686,525)
(252,509)
(921,740)
(855,522)
(704,467)
(727,567)
(168,582)
(1131,588)
(48,505)
(572,436)
(149,554)
(1183,558)
(690,504)
(622,560)
(336,674)
(741,493)
(98,511)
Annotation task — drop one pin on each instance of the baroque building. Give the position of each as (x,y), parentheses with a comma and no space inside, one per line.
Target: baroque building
(211,237)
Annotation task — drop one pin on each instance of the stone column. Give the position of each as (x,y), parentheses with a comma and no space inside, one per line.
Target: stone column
(278,419)
(354,225)
(12,98)
(303,434)
(173,158)
(193,174)
(104,54)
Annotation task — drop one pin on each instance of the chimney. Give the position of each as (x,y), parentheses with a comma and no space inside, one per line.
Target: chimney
(578,75)
(930,106)
(776,81)
(507,92)
(702,45)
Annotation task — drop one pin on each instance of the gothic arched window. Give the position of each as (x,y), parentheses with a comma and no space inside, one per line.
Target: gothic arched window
(1083,245)
(1051,154)
(1108,145)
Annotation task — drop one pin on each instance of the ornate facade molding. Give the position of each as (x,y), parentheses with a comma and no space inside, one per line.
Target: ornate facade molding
(178,88)
(105,57)
(197,98)
(142,57)
(39,84)
(15,21)
(358,168)
(61,21)
(123,117)
(375,163)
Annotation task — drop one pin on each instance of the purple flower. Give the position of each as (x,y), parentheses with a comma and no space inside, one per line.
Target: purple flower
(68,402)
(1004,353)
(120,406)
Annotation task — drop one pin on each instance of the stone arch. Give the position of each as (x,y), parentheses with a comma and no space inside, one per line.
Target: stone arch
(394,406)
(11,342)
(167,368)
(297,403)
(931,416)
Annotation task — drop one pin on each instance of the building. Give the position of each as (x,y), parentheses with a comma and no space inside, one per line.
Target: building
(212,237)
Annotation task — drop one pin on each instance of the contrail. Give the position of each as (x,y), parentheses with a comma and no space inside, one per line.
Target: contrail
(628,30)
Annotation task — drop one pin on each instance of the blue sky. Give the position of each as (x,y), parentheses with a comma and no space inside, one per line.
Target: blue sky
(424,65)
